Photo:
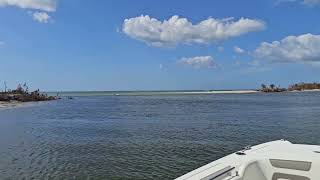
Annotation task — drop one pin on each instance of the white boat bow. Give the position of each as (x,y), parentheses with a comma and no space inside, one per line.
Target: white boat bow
(276,160)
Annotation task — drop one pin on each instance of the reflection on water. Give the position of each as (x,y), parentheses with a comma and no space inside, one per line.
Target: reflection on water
(146,137)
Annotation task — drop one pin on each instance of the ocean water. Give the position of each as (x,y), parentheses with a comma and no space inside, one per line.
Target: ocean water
(146,137)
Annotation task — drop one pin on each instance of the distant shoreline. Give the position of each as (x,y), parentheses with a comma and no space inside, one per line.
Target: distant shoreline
(18,104)
(306,90)
(178,92)
(11,104)
(21,95)
(223,92)
(149,93)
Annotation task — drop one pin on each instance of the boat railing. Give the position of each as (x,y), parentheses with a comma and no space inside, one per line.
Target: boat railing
(225,172)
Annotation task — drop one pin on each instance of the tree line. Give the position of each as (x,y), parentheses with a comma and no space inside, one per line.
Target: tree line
(295,87)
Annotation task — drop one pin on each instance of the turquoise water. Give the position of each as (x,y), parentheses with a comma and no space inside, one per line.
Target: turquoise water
(146,137)
(115,93)
(128,93)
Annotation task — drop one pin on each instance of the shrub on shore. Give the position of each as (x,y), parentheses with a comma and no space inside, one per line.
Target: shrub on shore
(22,94)
(271,88)
(296,87)
(304,86)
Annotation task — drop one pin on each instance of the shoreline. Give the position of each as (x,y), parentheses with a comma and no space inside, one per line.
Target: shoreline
(17,104)
(178,92)
(223,92)
(4,104)
(12,104)
(306,90)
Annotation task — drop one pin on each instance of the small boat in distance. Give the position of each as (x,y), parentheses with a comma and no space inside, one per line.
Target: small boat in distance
(276,160)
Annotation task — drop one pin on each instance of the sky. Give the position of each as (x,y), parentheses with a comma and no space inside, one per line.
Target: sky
(79,45)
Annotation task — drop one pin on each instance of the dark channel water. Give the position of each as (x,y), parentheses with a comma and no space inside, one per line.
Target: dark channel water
(146,137)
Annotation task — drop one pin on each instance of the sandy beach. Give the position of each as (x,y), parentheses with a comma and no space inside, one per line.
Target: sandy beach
(307,90)
(223,92)
(9,104)
(311,90)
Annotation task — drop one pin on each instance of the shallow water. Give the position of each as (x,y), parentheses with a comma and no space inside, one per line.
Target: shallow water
(146,137)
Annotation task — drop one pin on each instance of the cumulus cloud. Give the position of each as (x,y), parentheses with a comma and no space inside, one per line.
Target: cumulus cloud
(178,30)
(303,48)
(198,62)
(238,50)
(41,17)
(44,5)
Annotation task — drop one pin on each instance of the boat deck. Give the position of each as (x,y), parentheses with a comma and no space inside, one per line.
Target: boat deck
(277,160)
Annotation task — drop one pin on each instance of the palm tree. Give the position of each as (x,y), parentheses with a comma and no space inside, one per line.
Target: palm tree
(25,87)
(5,86)
(272,86)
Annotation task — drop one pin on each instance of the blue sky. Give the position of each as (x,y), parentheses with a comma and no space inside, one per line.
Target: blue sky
(71,45)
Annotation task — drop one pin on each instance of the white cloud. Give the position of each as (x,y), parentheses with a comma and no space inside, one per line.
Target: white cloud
(198,62)
(305,2)
(278,2)
(178,30)
(41,17)
(303,48)
(311,2)
(238,50)
(44,5)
